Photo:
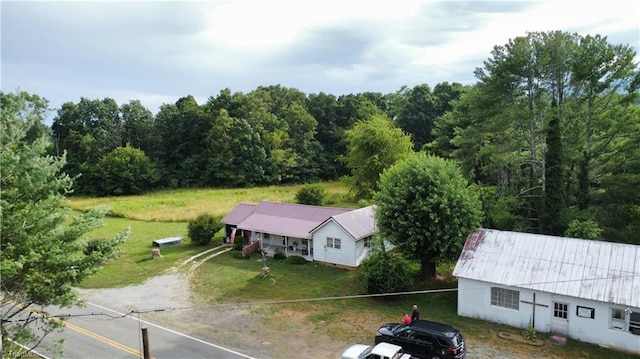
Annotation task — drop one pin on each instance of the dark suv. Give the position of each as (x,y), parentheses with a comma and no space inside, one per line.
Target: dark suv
(425,339)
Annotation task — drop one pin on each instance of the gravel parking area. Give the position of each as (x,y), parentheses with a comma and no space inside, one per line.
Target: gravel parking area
(238,328)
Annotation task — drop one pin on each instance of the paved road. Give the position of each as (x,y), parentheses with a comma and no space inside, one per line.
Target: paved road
(109,334)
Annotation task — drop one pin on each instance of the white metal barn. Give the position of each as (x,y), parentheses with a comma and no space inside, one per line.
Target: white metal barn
(585,289)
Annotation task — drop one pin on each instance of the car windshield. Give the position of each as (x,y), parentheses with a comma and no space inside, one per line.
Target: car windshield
(365,353)
(398,328)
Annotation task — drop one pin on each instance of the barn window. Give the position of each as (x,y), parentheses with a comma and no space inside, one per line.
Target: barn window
(560,310)
(634,322)
(617,319)
(505,298)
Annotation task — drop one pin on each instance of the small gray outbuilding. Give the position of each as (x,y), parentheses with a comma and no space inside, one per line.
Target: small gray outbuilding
(584,289)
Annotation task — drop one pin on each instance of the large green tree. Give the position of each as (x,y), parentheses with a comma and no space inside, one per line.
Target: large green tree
(502,126)
(235,152)
(43,254)
(373,146)
(125,171)
(427,208)
(139,130)
(182,130)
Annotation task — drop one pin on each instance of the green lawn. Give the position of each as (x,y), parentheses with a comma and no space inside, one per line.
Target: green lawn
(306,292)
(302,291)
(135,264)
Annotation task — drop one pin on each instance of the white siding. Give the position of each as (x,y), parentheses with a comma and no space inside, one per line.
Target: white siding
(474,300)
(593,270)
(346,255)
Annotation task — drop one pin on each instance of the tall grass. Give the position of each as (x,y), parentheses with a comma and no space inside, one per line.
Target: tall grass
(185,204)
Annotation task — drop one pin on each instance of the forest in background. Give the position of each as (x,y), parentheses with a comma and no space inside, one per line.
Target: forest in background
(550,134)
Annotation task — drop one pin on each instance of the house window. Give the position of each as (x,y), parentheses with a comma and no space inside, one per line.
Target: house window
(333,243)
(505,298)
(560,310)
(265,235)
(617,319)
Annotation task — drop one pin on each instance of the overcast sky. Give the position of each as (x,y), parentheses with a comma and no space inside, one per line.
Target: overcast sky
(159,51)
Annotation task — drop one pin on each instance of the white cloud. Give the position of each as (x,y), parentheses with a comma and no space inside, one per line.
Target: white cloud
(159,51)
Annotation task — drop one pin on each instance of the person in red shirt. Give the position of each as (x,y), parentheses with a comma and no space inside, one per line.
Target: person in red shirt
(406,319)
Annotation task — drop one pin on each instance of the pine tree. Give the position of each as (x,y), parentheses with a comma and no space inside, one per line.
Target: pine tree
(43,256)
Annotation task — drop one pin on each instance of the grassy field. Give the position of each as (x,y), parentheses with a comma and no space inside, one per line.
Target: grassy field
(184,205)
(165,214)
(306,289)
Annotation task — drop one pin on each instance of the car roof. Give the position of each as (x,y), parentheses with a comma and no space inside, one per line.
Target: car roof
(436,327)
(386,349)
(355,351)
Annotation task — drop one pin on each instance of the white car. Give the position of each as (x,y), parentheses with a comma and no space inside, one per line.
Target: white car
(380,351)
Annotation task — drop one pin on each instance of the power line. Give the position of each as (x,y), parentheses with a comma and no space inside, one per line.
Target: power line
(302,300)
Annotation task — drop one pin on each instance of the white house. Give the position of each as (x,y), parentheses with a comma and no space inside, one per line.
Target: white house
(337,236)
(585,289)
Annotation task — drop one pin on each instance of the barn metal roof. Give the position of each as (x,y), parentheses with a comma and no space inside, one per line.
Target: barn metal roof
(595,270)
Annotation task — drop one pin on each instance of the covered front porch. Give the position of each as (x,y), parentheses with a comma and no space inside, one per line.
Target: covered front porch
(290,246)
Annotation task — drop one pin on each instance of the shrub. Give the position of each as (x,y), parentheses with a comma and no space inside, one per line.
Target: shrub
(384,272)
(240,255)
(311,194)
(203,228)
(238,244)
(529,333)
(279,255)
(296,260)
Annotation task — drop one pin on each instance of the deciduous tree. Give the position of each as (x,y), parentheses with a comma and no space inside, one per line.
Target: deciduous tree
(125,171)
(427,208)
(373,146)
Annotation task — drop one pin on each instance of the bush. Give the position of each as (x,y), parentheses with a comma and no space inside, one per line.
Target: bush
(240,255)
(279,255)
(203,228)
(296,260)
(311,194)
(238,244)
(384,272)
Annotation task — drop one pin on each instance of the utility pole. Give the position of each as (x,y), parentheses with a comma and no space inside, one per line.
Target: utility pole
(145,343)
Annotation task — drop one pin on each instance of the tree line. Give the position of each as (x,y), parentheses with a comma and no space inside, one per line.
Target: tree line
(549,134)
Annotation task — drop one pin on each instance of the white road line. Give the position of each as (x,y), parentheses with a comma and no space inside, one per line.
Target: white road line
(172,331)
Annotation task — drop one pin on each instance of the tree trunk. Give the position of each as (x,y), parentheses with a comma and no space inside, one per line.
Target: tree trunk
(427,268)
